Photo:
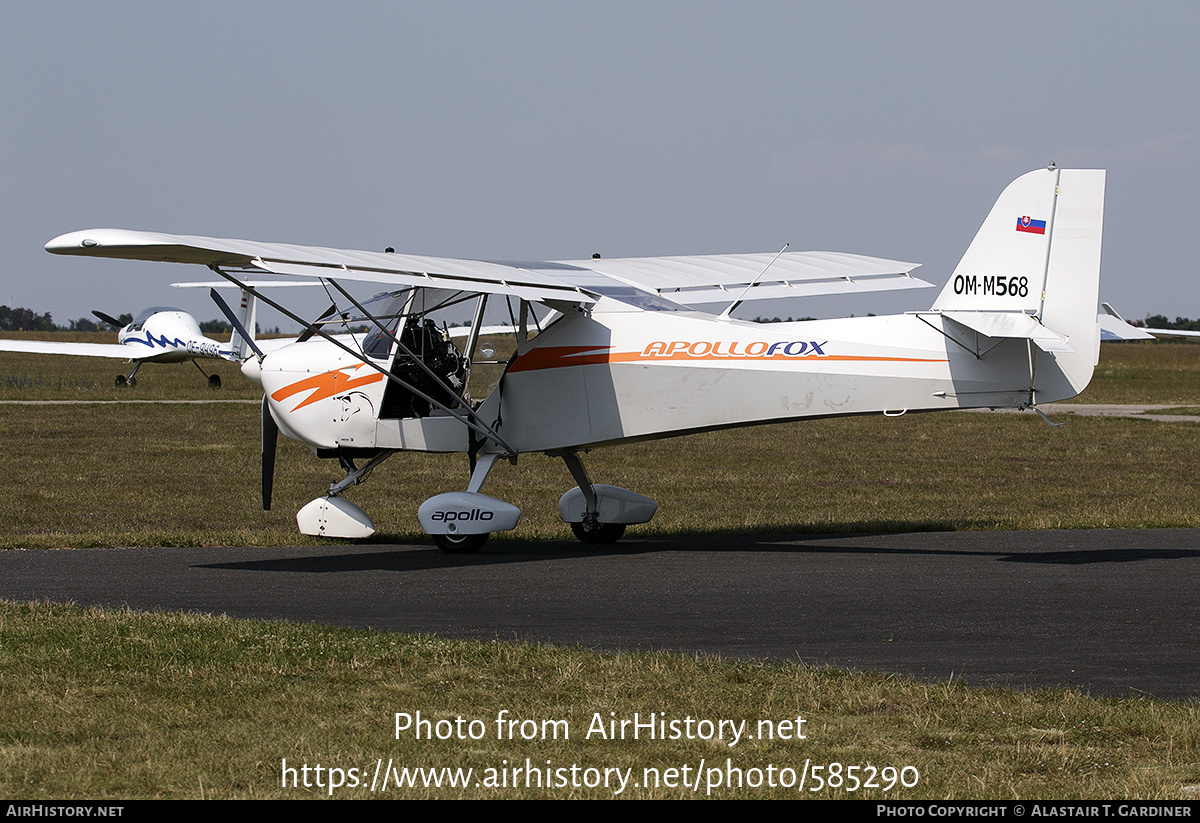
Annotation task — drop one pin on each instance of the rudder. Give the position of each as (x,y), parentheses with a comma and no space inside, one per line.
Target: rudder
(1033,269)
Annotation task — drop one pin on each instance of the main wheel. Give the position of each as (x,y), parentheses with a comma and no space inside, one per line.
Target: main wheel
(460,543)
(599,534)
(214,381)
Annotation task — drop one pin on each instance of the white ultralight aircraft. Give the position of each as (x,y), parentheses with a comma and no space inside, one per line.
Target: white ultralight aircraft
(629,357)
(158,335)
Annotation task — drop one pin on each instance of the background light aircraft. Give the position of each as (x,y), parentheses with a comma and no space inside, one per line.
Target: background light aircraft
(1115,327)
(158,335)
(626,355)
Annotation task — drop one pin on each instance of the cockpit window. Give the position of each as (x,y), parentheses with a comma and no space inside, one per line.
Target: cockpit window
(386,308)
(141,319)
(377,344)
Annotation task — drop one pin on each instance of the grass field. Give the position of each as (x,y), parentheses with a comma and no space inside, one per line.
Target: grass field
(97,704)
(108,704)
(148,474)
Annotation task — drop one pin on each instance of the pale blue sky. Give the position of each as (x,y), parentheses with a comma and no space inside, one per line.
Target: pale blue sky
(527,130)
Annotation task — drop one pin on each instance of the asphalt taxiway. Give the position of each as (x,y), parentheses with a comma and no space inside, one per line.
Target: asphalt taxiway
(1107,612)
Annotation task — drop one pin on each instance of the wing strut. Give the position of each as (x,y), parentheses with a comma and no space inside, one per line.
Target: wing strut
(725,314)
(419,361)
(471,421)
(236,323)
(476,325)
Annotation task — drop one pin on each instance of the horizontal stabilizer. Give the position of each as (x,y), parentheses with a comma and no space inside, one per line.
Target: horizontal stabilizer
(1114,328)
(1015,325)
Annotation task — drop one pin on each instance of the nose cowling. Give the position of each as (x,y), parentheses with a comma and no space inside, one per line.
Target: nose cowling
(252,369)
(317,393)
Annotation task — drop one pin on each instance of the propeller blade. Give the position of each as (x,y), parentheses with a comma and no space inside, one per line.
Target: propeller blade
(109,319)
(270,437)
(237,324)
(312,330)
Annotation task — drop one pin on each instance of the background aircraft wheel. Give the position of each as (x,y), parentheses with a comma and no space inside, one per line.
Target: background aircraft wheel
(120,381)
(214,381)
(461,543)
(600,534)
(131,382)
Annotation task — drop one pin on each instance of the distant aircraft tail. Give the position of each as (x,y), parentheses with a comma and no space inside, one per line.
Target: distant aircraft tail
(246,313)
(1033,272)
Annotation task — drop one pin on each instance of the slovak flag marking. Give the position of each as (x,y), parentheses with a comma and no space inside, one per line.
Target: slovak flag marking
(1028,224)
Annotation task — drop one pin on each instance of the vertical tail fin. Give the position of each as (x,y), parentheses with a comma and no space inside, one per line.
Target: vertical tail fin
(246,312)
(1038,255)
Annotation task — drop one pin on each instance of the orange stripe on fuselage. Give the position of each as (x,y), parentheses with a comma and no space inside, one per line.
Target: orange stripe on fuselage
(557,357)
(325,385)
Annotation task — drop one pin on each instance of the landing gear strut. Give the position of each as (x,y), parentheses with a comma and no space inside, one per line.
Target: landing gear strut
(461,522)
(128,379)
(214,380)
(597,513)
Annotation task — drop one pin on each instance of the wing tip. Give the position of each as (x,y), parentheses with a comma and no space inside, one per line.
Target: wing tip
(91,241)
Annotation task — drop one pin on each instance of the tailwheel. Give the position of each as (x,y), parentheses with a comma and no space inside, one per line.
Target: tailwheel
(597,534)
(460,543)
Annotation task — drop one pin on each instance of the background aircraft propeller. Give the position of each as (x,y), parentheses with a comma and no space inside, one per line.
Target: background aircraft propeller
(109,319)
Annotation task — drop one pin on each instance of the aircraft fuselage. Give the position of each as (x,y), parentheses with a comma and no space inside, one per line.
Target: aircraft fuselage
(618,373)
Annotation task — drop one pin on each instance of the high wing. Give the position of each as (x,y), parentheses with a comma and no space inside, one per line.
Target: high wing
(112,350)
(679,281)
(719,278)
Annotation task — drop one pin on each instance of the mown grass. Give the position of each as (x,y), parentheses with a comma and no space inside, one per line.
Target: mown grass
(1145,372)
(110,704)
(57,377)
(113,704)
(121,475)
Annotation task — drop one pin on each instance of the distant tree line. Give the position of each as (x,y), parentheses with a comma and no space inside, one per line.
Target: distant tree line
(1159,321)
(85,324)
(22,319)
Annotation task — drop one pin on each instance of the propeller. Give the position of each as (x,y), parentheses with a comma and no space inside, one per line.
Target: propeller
(270,436)
(308,333)
(109,319)
(270,429)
